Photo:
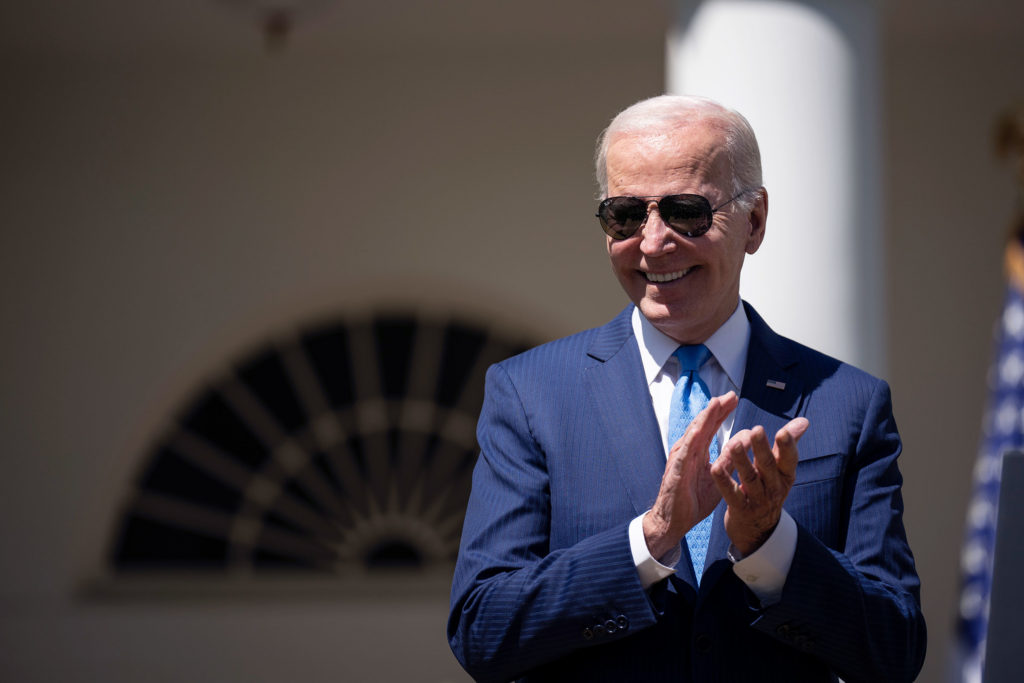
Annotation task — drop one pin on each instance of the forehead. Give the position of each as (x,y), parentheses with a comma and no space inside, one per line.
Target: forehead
(662,161)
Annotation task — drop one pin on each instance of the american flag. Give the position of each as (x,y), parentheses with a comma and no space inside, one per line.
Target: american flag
(1003,431)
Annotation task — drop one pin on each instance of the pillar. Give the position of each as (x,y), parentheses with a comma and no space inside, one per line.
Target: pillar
(805,73)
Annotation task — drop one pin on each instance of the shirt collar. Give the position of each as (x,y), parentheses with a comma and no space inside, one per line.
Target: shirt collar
(728,345)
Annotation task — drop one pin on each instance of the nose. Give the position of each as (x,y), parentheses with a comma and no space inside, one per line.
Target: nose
(656,237)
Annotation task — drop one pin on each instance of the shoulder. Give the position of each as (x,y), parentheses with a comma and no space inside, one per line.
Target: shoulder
(830,370)
(573,353)
(809,362)
(825,382)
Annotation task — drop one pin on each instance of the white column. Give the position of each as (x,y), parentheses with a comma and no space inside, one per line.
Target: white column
(805,74)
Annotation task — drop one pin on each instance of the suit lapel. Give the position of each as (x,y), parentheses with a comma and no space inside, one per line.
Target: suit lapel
(772,390)
(771,396)
(623,411)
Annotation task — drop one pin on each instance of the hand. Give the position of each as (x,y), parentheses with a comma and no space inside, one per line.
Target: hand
(688,493)
(755,501)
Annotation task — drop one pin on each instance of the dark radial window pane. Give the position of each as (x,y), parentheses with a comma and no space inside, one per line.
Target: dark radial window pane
(214,420)
(462,345)
(171,475)
(266,377)
(394,337)
(329,353)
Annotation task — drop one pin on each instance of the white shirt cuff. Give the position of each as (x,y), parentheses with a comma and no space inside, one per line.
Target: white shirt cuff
(651,571)
(765,570)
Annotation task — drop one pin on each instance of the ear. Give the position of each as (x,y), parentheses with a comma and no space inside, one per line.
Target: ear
(758,216)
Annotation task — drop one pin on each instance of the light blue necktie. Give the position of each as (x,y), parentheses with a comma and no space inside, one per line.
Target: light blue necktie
(690,396)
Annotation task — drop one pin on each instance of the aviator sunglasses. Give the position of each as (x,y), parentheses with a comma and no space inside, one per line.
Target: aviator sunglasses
(688,214)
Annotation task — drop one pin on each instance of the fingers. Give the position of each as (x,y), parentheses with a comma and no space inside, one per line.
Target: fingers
(709,420)
(769,469)
(786,453)
(687,493)
(728,401)
(702,430)
(689,455)
(733,457)
(763,481)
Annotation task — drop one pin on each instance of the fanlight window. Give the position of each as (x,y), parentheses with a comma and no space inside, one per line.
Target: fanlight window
(342,445)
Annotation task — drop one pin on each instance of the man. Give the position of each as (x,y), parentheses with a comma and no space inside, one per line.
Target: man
(582,546)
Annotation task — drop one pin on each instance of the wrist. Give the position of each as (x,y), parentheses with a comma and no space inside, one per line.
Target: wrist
(657,535)
(748,546)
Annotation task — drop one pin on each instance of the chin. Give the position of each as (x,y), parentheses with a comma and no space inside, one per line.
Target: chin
(689,321)
(670,320)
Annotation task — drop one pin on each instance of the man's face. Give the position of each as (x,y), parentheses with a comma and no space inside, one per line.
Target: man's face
(686,287)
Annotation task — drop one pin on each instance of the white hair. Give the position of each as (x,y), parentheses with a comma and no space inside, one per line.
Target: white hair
(676,111)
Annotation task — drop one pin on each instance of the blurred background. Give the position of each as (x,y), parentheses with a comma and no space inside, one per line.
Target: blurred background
(256,256)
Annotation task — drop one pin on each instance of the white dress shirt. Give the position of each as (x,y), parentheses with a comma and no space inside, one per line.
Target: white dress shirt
(765,570)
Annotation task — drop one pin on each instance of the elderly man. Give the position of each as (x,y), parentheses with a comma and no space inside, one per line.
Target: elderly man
(588,556)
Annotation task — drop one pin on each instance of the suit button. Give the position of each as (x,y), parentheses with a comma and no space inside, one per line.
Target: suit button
(611,626)
(598,630)
(703,644)
(622,621)
(587,633)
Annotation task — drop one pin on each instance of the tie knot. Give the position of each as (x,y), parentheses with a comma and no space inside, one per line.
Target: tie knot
(691,357)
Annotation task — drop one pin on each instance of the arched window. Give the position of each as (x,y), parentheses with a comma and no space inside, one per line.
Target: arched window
(347,444)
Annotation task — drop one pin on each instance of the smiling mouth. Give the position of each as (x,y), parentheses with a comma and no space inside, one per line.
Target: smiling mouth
(666,277)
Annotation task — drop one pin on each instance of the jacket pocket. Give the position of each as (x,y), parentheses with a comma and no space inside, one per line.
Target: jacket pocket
(821,468)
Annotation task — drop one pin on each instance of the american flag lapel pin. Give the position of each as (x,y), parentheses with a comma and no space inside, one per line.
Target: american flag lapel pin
(776,384)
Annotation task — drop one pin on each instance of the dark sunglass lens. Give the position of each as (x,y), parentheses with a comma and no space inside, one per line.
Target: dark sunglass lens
(689,214)
(621,216)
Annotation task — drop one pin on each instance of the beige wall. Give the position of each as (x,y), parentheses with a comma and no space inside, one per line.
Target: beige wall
(163,211)
(949,205)
(163,216)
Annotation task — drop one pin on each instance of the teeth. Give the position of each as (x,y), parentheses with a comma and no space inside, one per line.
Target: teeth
(666,277)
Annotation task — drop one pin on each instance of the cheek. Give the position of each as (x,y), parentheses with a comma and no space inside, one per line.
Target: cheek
(619,254)
(729,253)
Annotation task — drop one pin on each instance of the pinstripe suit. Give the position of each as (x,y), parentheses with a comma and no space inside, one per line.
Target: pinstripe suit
(545,587)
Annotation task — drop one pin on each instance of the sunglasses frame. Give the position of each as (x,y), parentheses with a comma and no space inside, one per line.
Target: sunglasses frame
(619,235)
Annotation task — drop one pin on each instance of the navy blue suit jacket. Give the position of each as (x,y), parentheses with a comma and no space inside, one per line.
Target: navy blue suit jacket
(545,588)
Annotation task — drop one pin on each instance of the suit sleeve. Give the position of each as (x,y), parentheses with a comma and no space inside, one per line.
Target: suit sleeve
(859,610)
(515,602)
